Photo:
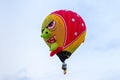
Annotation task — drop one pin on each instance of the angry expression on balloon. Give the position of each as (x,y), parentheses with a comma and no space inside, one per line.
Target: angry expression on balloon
(53,30)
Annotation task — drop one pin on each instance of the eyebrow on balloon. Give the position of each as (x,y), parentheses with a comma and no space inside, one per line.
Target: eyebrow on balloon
(49,23)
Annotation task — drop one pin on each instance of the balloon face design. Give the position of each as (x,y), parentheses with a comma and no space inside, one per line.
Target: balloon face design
(63,31)
(53,31)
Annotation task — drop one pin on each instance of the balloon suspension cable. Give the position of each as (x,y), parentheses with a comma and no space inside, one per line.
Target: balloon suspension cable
(64,68)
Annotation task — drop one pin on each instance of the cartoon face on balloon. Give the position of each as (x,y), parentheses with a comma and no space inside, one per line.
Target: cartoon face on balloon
(53,31)
(63,29)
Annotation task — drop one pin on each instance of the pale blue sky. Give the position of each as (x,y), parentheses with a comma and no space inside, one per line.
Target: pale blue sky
(25,56)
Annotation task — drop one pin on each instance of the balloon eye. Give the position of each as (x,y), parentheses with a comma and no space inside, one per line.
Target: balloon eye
(51,25)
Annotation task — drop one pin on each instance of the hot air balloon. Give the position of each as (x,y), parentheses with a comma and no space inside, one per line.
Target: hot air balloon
(63,31)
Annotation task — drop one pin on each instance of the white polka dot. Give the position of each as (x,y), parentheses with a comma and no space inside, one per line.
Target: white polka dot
(75,33)
(73,20)
(82,24)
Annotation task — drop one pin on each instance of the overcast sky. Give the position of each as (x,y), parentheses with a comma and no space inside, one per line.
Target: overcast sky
(25,56)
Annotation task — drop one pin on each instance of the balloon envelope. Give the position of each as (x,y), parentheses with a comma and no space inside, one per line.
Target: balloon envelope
(63,31)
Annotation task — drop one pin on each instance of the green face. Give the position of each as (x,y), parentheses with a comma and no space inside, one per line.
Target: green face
(47,33)
(53,31)
(47,25)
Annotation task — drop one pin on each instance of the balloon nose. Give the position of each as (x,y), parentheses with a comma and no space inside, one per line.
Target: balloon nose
(46,33)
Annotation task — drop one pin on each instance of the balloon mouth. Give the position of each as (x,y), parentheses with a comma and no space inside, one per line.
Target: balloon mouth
(52,39)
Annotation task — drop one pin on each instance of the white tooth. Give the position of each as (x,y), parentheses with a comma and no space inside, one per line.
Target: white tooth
(54,36)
